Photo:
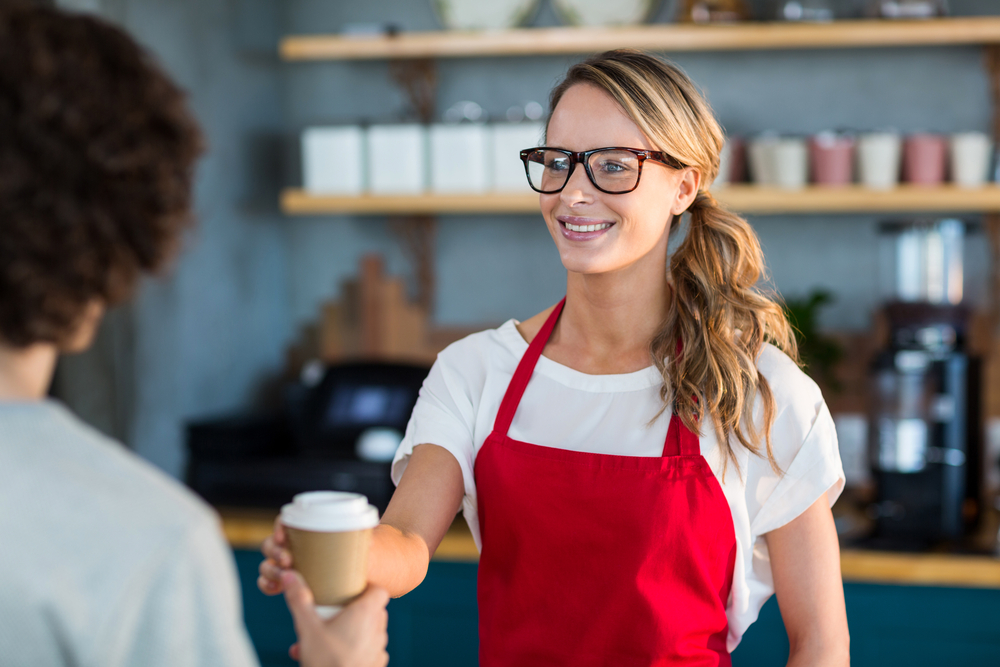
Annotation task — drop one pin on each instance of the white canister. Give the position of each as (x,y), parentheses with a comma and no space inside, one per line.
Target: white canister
(970,158)
(397,159)
(791,163)
(879,155)
(506,142)
(460,158)
(725,166)
(761,154)
(333,160)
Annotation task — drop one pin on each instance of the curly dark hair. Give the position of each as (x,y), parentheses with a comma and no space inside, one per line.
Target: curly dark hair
(97,153)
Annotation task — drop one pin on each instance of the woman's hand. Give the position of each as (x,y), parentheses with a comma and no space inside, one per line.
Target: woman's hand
(278,559)
(425,503)
(356,637)
(805,562)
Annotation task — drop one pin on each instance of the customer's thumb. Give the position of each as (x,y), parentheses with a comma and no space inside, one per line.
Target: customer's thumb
(300,602)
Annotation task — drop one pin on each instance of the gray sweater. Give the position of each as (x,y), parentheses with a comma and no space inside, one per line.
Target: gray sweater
(107,562)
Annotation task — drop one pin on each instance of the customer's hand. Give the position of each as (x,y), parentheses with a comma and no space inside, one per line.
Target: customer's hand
(277,560)
(356,637)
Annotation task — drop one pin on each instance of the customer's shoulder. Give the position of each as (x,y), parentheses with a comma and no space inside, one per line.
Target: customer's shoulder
(72,460)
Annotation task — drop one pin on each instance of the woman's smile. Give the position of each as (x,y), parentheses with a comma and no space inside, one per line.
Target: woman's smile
(576,228)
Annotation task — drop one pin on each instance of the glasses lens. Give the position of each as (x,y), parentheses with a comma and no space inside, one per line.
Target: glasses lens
(614,171)
(548,170)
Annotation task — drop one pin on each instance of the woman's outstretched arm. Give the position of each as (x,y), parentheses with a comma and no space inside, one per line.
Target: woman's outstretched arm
(421,510)
(805,562)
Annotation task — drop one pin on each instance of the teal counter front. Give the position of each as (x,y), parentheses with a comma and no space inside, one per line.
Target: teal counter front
(436,624)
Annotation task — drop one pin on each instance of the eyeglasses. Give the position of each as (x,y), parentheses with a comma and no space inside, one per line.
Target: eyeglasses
(612,170)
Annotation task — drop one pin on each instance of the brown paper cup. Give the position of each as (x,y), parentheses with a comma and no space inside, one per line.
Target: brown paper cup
(334,564)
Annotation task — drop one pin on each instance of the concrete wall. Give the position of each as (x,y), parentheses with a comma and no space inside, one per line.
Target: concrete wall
(210,335)
(494,267)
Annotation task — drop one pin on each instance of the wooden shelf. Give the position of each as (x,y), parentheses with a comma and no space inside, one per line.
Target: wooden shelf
(660,37)
(746,199)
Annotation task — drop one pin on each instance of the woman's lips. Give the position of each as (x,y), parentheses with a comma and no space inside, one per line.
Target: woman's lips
(582,229)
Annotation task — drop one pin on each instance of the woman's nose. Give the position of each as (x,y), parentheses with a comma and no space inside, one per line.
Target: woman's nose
(578,188)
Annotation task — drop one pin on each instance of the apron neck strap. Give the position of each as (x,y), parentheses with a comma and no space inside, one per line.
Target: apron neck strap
(518,383)
(681,441)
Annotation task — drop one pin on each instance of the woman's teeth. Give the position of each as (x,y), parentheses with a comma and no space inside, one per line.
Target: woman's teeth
(587,228)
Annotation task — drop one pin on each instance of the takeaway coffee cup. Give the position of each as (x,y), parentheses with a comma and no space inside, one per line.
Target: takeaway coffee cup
(329,533)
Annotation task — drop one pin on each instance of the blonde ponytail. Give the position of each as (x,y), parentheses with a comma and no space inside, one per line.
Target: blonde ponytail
(717,322)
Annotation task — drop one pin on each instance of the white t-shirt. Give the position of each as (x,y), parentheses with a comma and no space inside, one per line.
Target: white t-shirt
(108,563)
(608,414)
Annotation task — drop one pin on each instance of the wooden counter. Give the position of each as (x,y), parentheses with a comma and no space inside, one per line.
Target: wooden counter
(246,529)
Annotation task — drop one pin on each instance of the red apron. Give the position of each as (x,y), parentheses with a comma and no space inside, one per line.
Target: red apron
(599,559)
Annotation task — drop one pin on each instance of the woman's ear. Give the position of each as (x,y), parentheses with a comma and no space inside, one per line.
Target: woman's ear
(687,190)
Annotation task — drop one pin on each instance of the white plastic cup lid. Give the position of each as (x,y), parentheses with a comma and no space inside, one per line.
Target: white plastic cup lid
(333,511)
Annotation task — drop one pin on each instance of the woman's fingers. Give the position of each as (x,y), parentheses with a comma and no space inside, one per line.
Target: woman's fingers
(274,550)
(268,587)
(277,560)
(269,581)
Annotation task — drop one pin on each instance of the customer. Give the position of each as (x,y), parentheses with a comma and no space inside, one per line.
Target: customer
(107,562)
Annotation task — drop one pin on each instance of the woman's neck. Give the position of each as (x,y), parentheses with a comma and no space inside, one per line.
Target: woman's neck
(25,373)
(610,319)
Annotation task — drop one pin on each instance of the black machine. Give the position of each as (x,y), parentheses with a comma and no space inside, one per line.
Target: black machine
(926,419)
(925,427)
(262,461)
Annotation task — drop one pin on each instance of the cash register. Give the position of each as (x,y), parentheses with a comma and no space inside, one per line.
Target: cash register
(262,460)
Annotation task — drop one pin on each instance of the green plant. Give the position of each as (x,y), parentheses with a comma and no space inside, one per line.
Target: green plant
(819,353)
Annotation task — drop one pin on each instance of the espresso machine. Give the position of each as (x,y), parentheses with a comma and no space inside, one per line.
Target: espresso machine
(925,420)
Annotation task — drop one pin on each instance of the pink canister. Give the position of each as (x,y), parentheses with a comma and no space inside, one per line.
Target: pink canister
(924,158)
(831,158)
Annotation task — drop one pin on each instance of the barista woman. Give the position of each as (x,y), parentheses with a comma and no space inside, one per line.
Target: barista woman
(644,463)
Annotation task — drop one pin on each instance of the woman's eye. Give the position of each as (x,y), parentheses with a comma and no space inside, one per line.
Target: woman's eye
(557,165)
(613,167)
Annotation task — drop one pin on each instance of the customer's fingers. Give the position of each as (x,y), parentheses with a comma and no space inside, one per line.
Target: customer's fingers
(373,601)
(300,601)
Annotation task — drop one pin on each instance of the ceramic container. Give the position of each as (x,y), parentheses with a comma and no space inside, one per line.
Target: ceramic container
(831,158)
(761,158)
(878,159)
(479,15)
(970,158)
(791,163)
(924,159)
(603,12)
(397,159)
(459,158)
(333,160)
(506,142)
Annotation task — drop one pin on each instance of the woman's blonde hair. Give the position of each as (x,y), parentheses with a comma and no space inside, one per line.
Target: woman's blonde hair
(718,319)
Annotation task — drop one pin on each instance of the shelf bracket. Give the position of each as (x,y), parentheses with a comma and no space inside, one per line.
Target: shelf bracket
(991,221)
(418,79)
(417,232)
